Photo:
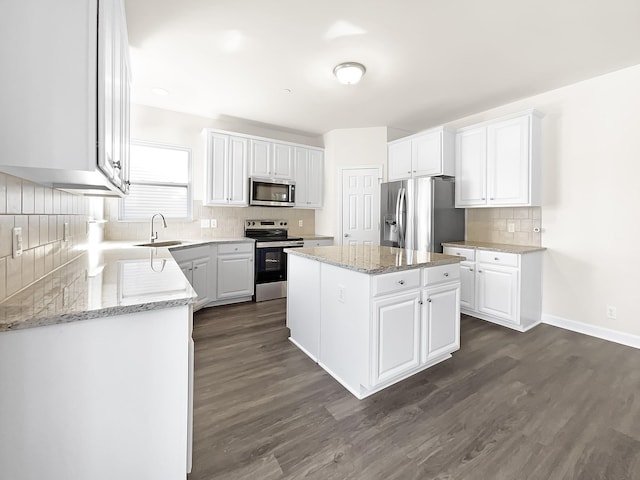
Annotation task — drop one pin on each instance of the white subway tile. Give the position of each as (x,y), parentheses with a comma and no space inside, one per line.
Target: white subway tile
(14,194)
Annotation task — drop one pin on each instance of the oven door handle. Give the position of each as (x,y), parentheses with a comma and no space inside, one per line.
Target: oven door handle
(279,244)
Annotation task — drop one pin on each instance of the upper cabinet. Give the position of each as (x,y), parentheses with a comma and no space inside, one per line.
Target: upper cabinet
(270,159)
(498,163)
(226,165)
(424,154)
(231,158)
(71,93)
(309,174)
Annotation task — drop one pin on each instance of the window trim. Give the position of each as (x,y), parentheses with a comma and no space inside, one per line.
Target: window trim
(188,185)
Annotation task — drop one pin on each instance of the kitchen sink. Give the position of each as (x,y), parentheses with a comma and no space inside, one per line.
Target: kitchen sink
(168,243)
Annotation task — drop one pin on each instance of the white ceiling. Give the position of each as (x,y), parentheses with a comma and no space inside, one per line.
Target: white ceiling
(427,61)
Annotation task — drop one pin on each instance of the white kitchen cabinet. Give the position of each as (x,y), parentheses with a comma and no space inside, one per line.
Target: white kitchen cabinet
(440,320)
(235,270)
(371,331)
(309,171)
(424,154)
(271,159)
(504,288)
(197,266)
(395,336)
(81,110)
(498,163)
(226,178)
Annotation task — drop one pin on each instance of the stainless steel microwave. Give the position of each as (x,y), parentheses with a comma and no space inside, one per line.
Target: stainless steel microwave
(272,192)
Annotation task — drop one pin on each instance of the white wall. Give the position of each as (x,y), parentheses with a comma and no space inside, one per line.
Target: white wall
(591,197)
(347,147)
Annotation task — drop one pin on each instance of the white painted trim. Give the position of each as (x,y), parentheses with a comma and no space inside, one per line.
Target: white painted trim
(304,350)
(604,333)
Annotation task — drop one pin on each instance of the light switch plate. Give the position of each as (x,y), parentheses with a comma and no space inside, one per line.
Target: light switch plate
(214,223)
(300,223)
(511,227)
(17,241)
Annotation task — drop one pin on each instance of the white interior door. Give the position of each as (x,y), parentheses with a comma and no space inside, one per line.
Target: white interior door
(360,206)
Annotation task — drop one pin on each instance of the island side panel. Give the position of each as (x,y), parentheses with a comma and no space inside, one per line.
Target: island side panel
(344,332)
(303,304)
(101,399)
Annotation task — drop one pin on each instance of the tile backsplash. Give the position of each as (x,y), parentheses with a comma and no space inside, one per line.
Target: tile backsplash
(492,225)
(230,222)
(41,212)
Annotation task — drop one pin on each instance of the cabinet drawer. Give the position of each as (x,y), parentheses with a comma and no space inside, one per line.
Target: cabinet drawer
(235,248)
(442,273)
(396,282)
(498,258)
(468,253)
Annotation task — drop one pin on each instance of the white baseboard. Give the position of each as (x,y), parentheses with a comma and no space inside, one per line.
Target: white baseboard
(593,330)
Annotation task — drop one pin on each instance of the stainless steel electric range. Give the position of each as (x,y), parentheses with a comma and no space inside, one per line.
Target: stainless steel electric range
(272,237)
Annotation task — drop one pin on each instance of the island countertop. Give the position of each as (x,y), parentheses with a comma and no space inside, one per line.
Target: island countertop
(373,259)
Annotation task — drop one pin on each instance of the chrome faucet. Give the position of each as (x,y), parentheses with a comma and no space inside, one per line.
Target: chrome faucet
(154,235)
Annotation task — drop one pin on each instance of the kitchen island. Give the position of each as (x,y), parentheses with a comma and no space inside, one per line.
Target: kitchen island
(372,316)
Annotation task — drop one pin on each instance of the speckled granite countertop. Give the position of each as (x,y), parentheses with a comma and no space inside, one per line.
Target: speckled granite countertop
(498,247)
(373,259)
(110,278)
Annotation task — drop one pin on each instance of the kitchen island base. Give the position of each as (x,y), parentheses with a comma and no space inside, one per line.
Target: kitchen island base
(371,330)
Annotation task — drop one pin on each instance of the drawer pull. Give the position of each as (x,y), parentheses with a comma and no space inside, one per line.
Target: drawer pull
(471,269)
(479,271)
(401,282)
(458,253)
(496,259)
(429,300)
(446,274)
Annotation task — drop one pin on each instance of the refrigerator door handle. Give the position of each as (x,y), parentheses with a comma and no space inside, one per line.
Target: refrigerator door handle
(402,231)
(397,219)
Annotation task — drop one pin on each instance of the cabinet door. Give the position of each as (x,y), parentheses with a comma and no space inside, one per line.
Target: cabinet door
(260,158)
(217,146)
(441,321)
(468,286)
(315,182)
(200,279)
(302,176)
(471,167)
(399,160)
(238,180)
(396,336)
(107,88)
(235,276)
(497,291)
(508,162)
(282,161)
(426,152)
(187,270)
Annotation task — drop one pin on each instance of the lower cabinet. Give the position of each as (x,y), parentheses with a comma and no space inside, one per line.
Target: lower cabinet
(503,288)
(235,275)
(220,273)
(396,336)
(371,331)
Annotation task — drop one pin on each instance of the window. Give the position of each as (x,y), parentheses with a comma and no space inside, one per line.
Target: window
(160,177)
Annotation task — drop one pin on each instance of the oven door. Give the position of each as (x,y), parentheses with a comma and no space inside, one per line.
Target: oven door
(271,264)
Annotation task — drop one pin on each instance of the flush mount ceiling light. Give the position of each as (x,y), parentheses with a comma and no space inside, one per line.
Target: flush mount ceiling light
(349,73)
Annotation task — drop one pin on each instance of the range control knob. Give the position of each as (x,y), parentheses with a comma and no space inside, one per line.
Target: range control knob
(285,224)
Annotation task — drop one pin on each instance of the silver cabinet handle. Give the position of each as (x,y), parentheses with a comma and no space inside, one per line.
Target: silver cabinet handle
(446,274)
(491,198)
(195,268)
(401,282)
(471,269)
(346,235)
(420,302)
(479,271)
(483,198)
(496,259)
(429,300)
(117,165)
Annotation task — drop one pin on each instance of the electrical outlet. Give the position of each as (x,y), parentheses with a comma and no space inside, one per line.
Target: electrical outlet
(204,223)
(511,227)
(611,312)
(214,223)
(17,242)
(341,291)
(300,223)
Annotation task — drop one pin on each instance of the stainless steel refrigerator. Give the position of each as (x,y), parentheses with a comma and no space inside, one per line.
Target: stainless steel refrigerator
(420,214)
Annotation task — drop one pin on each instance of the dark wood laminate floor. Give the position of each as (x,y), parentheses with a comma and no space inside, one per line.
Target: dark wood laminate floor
(547,404)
